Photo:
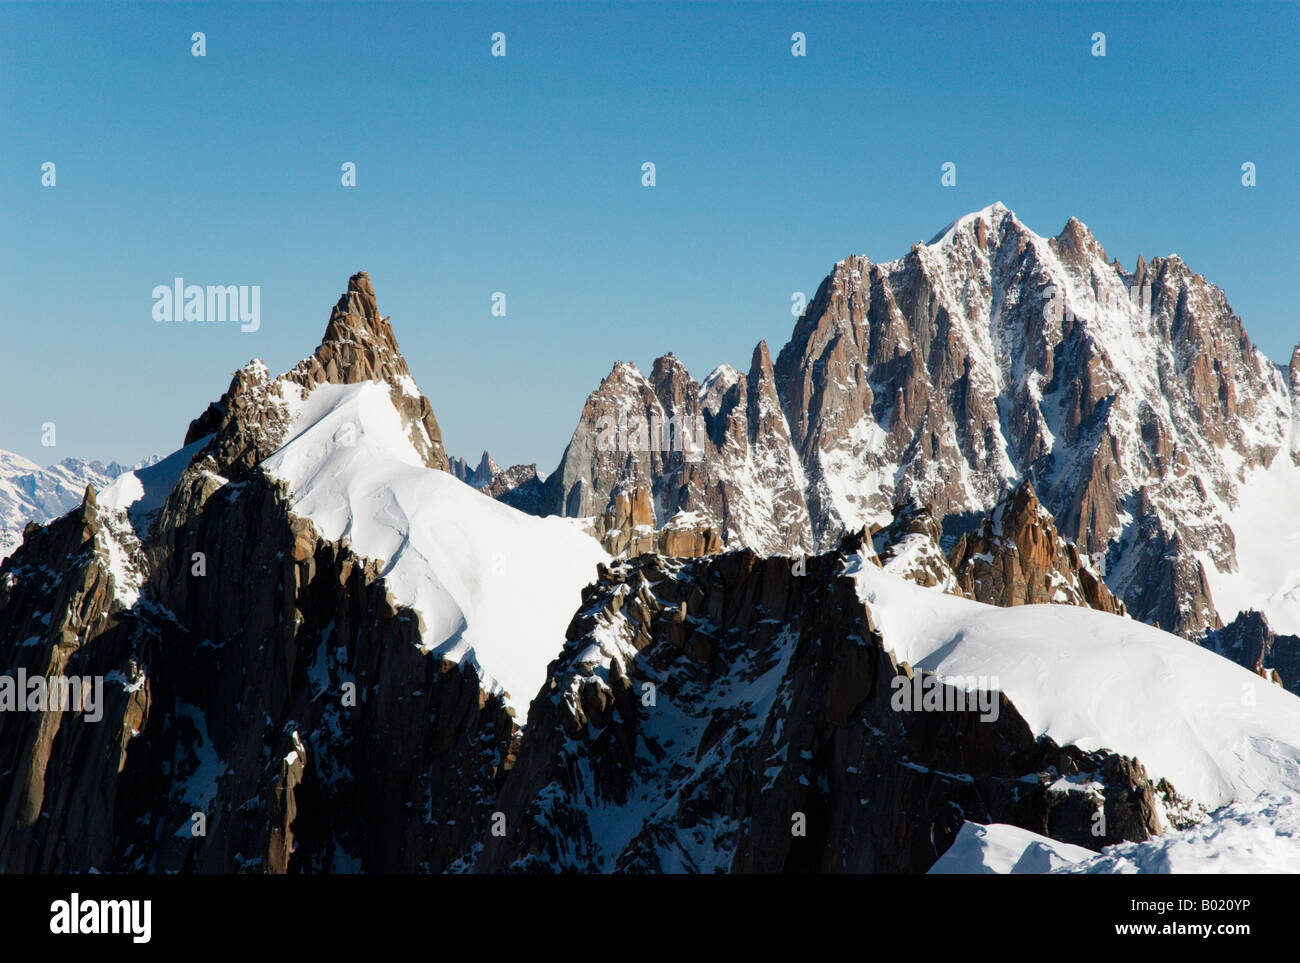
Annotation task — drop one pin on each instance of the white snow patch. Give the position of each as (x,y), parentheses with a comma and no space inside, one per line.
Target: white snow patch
(495,587)
(1266,526)
(1218,732)
(1000,848)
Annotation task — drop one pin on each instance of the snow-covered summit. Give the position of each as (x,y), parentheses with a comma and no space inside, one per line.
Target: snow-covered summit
(991,215)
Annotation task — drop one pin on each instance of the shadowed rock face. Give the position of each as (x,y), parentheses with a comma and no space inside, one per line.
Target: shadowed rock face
(225,696)
(702,710)
(990,355)
(1249,641)
(60,615)
(1016,557)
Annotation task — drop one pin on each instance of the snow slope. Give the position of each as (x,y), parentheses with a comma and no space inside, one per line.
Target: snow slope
(143,491)
(999,848)
(495,588)
(1219,733)
(1260,836)
(1265,523)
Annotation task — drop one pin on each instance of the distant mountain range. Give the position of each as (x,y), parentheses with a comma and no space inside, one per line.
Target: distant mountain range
(30,493)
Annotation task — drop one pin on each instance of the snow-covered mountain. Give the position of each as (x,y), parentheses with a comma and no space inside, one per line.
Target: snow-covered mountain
(1154,432)
(29,493)
(301,601)
(702,706)
(1218,732)
(345,658)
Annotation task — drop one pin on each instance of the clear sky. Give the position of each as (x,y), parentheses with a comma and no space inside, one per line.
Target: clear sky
(522,174)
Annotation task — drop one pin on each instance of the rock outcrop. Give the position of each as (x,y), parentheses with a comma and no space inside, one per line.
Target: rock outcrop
(1249,641)
(627,527)
(519,487)
(1016,557)
(911,546)
(718,454)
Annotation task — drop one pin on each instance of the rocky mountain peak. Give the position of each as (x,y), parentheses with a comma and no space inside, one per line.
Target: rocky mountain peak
(1140,272)
(356,310)
(250,420)
(486,470)
(980,228)
(1017,557)
(987,356)
(676,389)
(1076,243)
(359,344)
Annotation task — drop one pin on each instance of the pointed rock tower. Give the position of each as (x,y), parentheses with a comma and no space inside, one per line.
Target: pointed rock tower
(250,421)
(1016,557)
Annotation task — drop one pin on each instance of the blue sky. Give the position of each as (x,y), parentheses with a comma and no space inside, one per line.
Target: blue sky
(523,175)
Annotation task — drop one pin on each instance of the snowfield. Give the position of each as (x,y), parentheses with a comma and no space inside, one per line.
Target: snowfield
(495,588)
(1266,526)
(999,848)
(1260,836)
(1218,732)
